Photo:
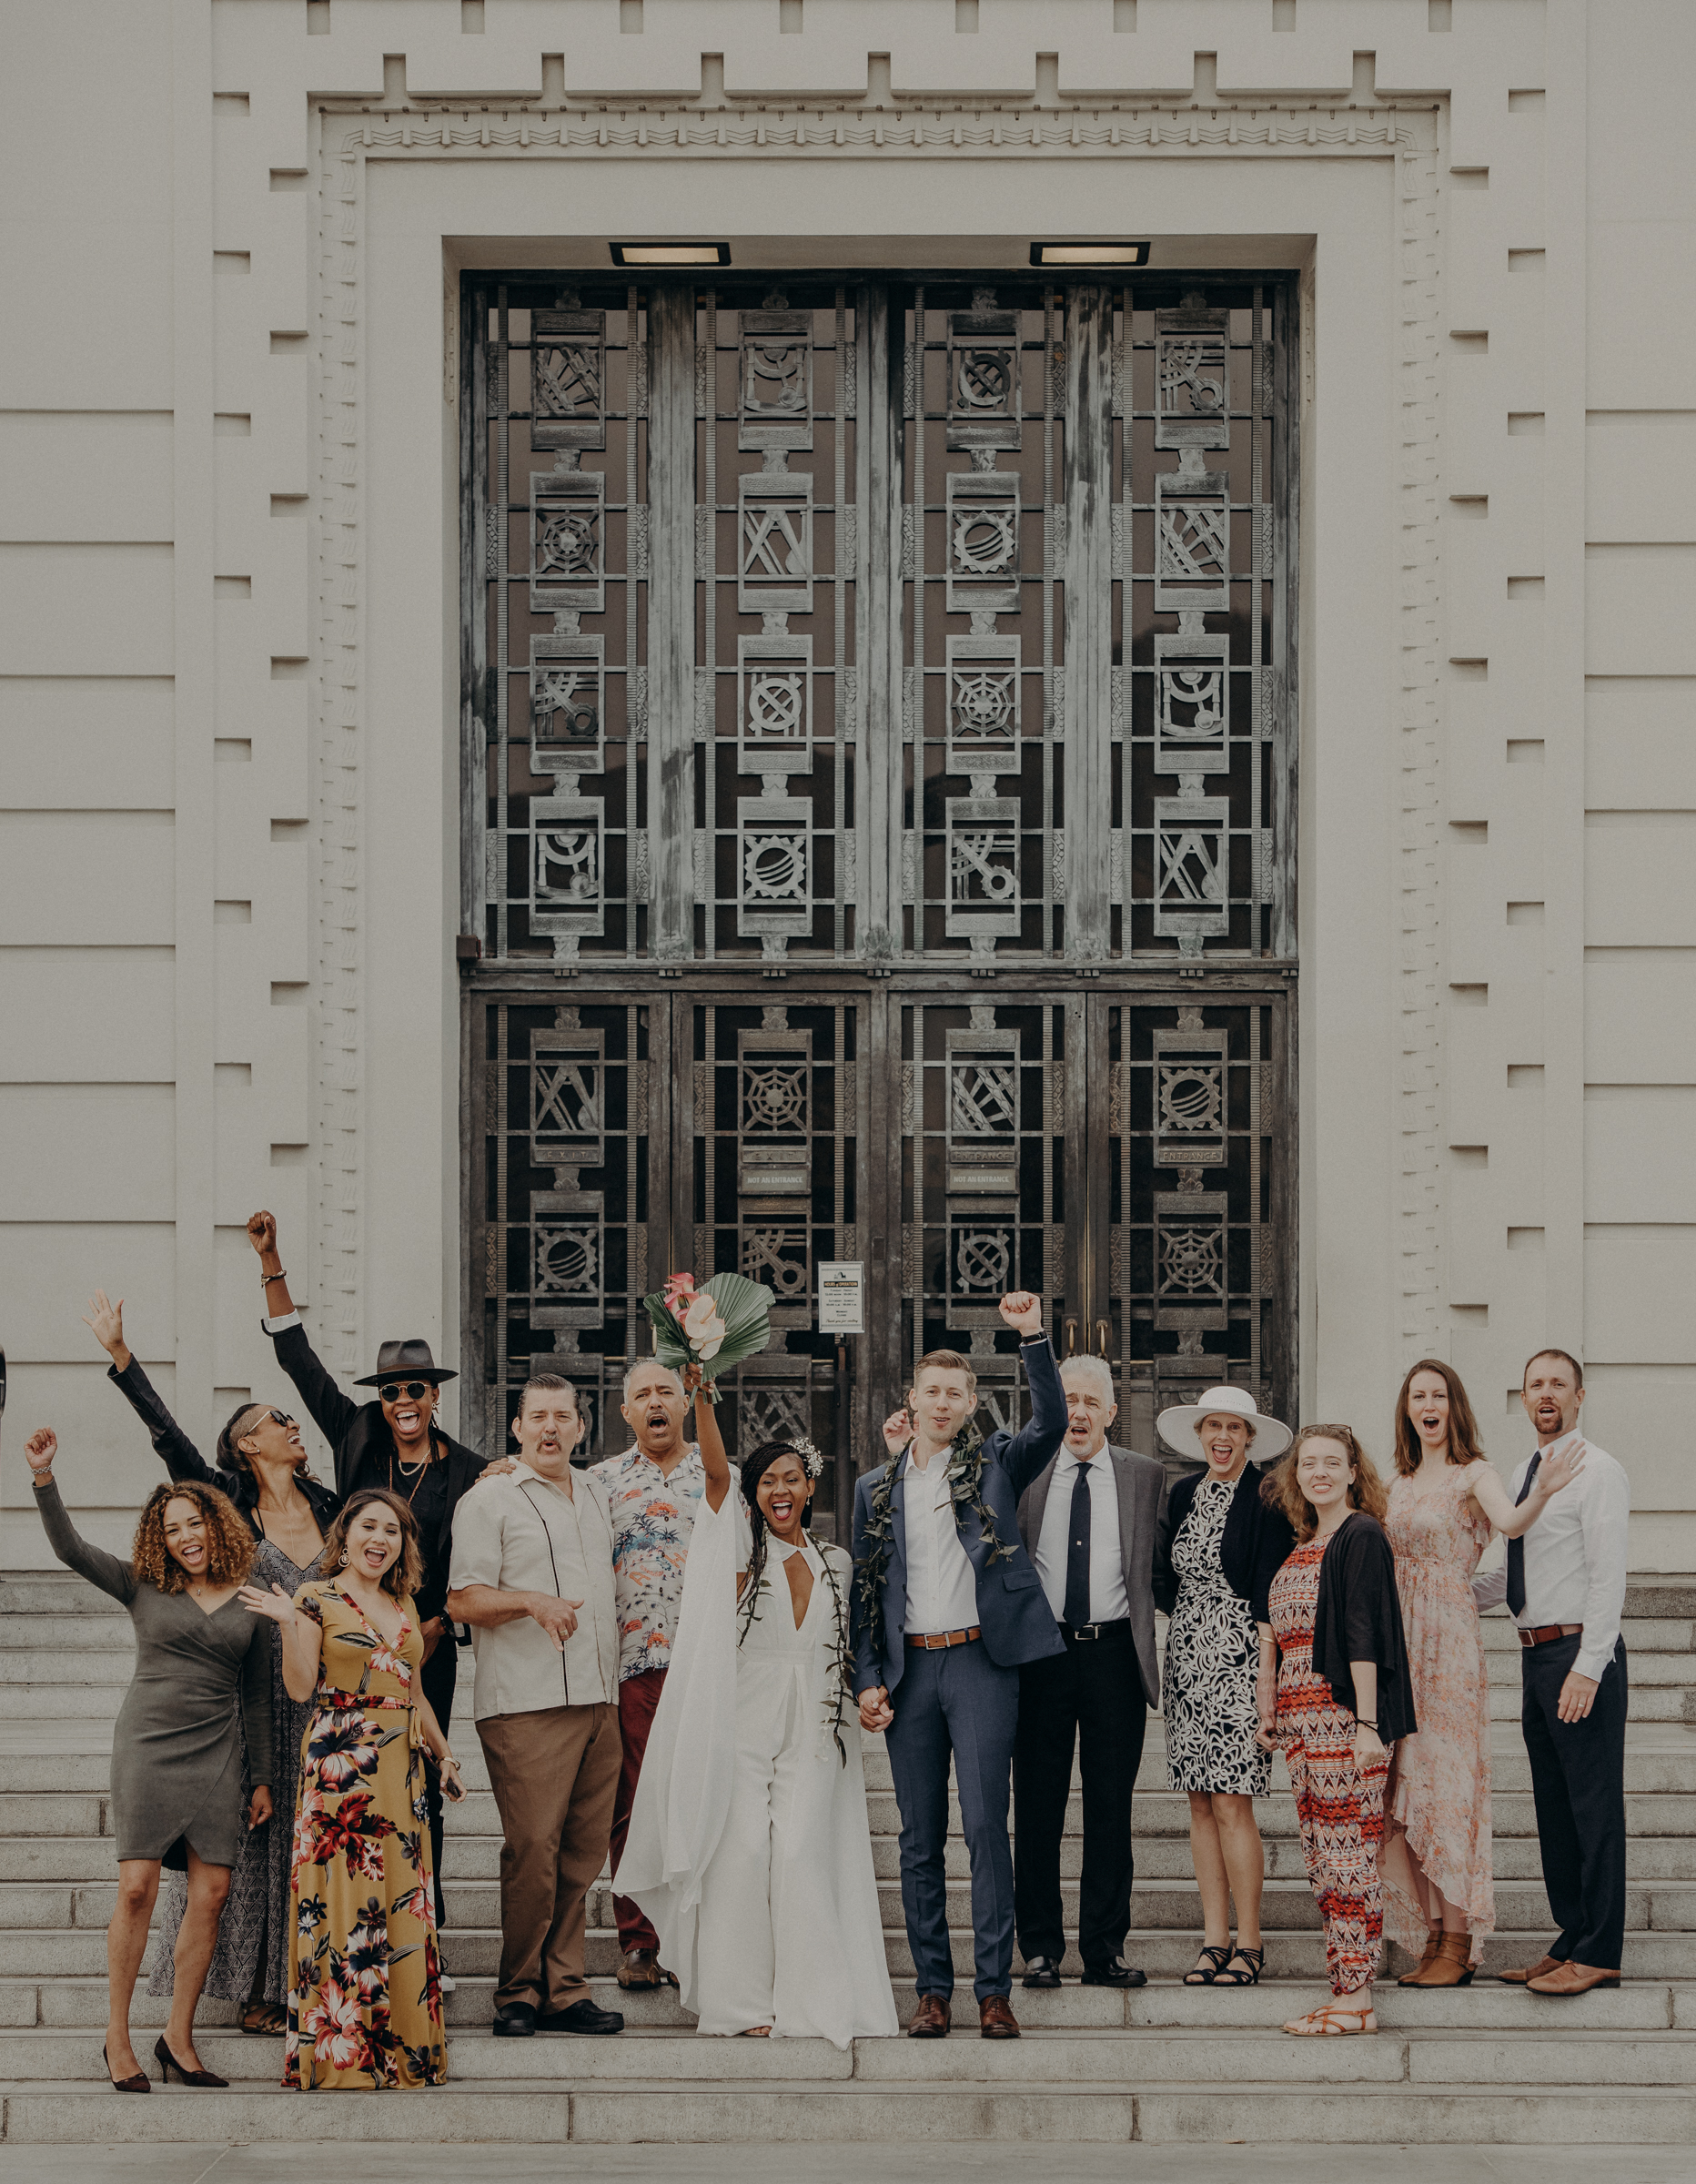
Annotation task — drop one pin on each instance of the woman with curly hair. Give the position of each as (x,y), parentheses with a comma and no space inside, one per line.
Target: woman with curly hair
(262,1467)
(1343,1700)
(203,1679)
(749,1846)
(364,1972)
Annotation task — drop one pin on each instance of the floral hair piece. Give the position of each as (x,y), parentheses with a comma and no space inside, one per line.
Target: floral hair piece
(813,1463)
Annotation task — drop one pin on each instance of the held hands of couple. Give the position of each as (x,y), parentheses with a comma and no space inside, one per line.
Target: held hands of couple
(876,1711)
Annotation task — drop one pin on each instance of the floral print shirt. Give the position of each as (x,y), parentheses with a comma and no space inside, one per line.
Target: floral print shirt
(653,1517)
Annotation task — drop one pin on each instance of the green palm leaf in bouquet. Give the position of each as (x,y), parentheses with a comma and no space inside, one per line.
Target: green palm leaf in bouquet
(715,1327)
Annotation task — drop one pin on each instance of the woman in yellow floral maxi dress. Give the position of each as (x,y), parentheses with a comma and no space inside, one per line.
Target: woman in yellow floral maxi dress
(364,1992)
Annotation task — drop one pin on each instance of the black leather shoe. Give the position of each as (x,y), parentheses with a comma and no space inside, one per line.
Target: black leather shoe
(514,2021)
(582,2017)
(1041,1971)
(1115,1972)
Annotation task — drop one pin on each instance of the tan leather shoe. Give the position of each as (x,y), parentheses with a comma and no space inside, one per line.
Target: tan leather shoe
(932,2018)
(995,2020)
(1433,1942)
(640,1968)
(1452,1966)
(1573,1979)
(1531,1971)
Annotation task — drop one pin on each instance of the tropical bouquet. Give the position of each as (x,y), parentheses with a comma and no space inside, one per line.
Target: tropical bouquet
(715,1326)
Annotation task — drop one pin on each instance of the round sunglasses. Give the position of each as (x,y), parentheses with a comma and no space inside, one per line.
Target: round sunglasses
(391,1392)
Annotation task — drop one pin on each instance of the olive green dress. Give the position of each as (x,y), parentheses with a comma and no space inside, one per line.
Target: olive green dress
(177,1745)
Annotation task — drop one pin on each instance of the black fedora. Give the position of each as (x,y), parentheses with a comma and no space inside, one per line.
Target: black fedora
(406,1362)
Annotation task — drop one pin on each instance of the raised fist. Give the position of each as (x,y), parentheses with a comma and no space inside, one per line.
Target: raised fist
(41,1448)
(262,1232)
(1022,1310)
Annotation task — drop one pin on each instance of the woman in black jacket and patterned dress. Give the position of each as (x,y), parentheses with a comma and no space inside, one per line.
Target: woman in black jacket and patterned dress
(1219,1545)
(1344,1700)
(262,1467)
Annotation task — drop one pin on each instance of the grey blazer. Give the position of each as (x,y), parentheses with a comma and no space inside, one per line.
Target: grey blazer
(1142,1484)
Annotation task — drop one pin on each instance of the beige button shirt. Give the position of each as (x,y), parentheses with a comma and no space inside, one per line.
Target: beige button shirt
(523,1534)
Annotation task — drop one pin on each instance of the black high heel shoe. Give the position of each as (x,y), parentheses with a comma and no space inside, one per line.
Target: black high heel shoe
(139,2083)
(167,2062)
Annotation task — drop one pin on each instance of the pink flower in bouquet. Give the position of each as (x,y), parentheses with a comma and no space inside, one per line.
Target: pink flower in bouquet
(678,1290)
(703,1327)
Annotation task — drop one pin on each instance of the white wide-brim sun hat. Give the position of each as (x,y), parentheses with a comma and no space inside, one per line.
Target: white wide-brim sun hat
(1178,1426)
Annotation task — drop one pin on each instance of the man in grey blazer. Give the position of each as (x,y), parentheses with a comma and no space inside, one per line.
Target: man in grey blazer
(1088,1523)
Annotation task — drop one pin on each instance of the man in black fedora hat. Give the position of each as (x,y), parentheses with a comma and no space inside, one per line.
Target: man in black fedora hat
(393,1443)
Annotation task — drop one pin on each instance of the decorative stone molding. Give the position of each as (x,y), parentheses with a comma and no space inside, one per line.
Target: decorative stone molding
(353,132)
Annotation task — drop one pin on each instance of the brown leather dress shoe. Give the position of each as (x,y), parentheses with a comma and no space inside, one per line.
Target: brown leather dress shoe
(932,2018)
(995,2020)
(1573,1979)
(640,1968)
(1531,1971)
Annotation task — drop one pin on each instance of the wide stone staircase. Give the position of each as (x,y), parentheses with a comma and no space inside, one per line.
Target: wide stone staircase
(1482,2064)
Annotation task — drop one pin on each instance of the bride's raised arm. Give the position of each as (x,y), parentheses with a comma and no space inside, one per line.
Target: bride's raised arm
(714,1460)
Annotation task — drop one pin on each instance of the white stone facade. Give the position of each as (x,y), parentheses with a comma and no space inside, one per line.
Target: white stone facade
(229,603)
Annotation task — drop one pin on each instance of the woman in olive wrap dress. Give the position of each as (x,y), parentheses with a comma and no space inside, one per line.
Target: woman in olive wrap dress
(203,1676)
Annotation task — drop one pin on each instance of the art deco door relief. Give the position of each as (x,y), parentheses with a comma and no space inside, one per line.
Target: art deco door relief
(878,795)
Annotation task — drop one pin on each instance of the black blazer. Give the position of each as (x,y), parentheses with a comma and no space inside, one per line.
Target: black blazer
(1142,1485)
(359,1436)
(184,1461)
(1257,1542)
(1359,1618)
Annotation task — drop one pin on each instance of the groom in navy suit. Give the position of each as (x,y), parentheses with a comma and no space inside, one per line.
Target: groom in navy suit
(945,1609)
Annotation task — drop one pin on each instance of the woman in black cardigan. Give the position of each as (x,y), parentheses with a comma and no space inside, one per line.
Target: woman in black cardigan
(1344,1699)
(1220,1544)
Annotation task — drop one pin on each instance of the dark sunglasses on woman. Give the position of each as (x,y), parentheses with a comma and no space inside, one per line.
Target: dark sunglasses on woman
(391,1392)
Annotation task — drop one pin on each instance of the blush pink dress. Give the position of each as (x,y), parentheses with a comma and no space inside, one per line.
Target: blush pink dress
(1437,1832)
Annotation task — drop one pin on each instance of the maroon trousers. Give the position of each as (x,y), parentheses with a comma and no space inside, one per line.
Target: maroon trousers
(638,1698)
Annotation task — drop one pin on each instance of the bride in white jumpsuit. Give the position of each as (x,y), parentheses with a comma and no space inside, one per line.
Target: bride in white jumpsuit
(749,1848)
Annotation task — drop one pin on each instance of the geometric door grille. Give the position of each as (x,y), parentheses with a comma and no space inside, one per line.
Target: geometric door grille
(878,793)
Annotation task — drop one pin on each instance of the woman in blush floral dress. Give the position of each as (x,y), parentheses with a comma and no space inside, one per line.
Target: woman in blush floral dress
(1436,1863)
(364,1972)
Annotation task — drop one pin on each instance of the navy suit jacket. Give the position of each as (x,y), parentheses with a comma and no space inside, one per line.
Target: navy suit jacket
(1012,1609)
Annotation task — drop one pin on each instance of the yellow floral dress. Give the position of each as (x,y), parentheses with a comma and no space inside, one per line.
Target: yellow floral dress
(364,1974)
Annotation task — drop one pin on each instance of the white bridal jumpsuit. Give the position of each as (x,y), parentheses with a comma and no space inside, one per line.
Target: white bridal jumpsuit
(749,1848)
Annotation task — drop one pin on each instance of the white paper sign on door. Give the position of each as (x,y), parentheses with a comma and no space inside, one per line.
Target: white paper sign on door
(841,1297)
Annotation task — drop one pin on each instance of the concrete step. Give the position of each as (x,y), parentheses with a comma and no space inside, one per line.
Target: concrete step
(1208,2056)
(1170,1904)
(52,1952)
(1636,2006)
(939,2108)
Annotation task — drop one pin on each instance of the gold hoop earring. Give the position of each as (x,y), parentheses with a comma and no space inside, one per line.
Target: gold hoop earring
(342,1562)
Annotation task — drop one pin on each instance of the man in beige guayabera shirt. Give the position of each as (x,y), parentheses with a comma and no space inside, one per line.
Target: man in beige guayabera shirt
(532,1575)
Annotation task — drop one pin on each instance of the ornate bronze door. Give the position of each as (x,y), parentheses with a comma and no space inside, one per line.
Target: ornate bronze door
(878,771)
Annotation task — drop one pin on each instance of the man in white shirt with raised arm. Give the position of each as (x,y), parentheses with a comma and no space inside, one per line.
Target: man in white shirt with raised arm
(1564,1584)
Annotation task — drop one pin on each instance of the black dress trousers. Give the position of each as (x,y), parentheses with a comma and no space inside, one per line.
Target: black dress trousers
(1090,1697)
(1577,1785)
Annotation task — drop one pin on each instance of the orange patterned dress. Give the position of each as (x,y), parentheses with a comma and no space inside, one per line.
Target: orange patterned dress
(1437,1834)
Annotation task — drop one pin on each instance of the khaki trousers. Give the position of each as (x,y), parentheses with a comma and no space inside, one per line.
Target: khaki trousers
(554,1775)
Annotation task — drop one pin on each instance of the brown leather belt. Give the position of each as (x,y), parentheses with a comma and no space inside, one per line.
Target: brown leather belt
(934,1642)
(1545,1633)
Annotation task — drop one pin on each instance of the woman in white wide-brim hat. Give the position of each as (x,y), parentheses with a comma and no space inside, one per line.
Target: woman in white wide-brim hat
(1220,1546)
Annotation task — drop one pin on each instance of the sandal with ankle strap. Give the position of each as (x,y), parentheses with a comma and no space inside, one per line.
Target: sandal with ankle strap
(1329,2021)
(1217,1959)
(1229,1975)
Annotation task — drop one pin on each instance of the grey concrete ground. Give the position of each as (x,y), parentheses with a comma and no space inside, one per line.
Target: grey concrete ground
(851,2165)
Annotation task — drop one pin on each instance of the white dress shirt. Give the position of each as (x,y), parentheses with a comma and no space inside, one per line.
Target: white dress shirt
(942,1585)
(1107,1601)
(1574,1558)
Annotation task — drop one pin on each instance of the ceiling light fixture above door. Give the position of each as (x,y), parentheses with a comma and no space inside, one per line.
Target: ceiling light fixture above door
(1089,254)
(669,254)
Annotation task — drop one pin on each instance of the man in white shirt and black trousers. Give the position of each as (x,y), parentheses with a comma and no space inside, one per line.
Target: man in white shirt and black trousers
(1088,1521)
(1564,1584)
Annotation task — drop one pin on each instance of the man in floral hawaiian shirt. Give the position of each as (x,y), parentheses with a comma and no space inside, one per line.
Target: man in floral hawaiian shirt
(654,1491)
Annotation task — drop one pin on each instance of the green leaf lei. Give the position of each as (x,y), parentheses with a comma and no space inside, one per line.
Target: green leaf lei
(964,1475)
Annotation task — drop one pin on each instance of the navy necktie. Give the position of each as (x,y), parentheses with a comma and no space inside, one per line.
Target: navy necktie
(1516,1548)
(1077,1609)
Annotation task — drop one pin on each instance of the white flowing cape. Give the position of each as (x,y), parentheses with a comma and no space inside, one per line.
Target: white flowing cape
(832,1974)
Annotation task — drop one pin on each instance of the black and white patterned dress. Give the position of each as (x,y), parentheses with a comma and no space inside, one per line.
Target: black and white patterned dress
(1212,1657)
